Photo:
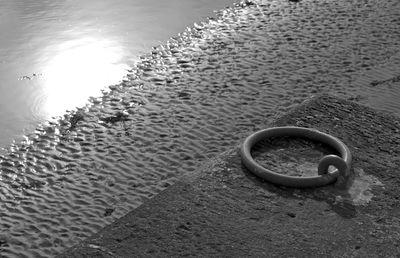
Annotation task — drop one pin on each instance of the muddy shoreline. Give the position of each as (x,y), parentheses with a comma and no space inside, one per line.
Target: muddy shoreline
(188,100)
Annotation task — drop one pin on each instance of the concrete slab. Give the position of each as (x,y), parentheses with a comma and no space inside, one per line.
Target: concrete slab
(223,210)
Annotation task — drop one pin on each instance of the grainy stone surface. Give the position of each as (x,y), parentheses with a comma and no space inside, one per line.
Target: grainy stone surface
(223,210)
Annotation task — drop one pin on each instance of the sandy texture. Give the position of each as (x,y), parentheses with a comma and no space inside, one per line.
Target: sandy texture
(190,99)
(223,210)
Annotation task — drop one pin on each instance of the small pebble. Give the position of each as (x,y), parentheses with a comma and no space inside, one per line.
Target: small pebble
(108,212)
(291,214)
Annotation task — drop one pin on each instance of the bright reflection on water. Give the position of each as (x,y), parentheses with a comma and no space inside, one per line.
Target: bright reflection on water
(77,72)
(54,54)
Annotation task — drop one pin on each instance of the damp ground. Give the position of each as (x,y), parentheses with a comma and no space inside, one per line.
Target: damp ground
(188,100)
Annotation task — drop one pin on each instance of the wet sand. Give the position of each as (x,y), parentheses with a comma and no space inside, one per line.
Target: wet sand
(189,100)
(222,210)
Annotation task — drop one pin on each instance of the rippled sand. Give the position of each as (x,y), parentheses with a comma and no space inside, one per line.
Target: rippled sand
(193,97)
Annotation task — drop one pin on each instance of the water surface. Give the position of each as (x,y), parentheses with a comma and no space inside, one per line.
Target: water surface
(55,54)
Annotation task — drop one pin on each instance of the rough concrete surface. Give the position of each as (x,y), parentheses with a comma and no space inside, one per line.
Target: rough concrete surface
(222,210)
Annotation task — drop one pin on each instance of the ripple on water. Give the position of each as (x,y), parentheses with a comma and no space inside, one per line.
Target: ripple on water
(188,100)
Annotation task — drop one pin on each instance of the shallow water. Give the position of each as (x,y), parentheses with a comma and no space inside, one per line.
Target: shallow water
(188,100)
(55,54)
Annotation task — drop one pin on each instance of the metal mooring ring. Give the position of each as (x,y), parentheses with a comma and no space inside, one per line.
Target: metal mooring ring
(324,177)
